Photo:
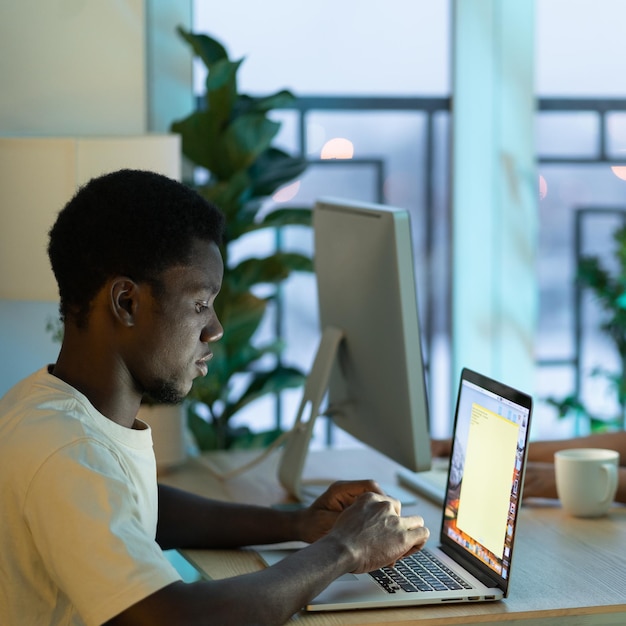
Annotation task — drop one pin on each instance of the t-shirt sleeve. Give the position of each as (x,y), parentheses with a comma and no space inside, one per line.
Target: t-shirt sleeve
(85,520)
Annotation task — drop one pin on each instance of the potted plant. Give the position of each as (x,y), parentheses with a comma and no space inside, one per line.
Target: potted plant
(230,138)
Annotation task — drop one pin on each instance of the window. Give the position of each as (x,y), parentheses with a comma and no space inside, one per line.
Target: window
(377,64)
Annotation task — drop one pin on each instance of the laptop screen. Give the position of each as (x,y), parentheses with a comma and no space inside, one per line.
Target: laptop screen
(486,471)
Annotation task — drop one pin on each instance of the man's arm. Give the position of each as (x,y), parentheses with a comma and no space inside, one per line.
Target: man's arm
(367,534)
(543,451)
(270,596)
(190,521)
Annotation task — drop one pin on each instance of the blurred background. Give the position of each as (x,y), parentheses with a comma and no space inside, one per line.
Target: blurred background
(374,95)
(375,85)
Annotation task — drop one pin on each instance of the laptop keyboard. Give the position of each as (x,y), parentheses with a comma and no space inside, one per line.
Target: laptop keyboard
(421,571)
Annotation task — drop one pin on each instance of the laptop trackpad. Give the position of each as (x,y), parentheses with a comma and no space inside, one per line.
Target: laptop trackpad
(271,557)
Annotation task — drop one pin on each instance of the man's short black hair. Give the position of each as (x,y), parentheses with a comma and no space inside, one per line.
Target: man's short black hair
(131,223)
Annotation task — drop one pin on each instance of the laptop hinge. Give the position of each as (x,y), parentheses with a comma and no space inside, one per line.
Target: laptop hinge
(472,568)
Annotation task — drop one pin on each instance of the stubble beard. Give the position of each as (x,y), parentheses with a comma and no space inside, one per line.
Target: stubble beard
(164,392)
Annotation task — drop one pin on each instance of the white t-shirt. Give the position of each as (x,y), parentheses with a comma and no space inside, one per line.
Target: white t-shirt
(78,509)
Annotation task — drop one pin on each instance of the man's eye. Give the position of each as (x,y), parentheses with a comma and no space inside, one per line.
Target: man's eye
(201,307)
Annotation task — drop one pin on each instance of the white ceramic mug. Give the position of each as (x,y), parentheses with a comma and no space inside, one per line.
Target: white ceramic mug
(586,480)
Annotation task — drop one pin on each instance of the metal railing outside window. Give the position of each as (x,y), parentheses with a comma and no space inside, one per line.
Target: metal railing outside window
(600,125)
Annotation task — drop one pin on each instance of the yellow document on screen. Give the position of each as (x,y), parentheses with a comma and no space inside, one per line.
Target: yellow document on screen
(487,478)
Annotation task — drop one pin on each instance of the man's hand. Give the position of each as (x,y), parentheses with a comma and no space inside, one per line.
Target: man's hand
(365,521)
(318,519)
(440,448)
(540,481)
(376,534)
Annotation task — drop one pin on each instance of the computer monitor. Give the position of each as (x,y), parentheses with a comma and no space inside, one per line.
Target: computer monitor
(369,362)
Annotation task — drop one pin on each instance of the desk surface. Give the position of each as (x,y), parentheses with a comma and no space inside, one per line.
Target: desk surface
(565,571)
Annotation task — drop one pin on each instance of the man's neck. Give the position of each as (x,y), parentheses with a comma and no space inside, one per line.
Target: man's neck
(93,373)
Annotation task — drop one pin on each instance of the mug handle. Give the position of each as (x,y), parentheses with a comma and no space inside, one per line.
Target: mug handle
(611,485)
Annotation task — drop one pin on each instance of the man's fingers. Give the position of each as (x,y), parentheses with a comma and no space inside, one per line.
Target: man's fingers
(413,522)
(342,494)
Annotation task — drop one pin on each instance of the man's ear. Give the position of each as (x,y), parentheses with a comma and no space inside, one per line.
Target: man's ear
(124,294)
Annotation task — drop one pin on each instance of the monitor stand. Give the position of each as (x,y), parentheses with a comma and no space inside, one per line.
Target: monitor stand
(296,448)
(295,451)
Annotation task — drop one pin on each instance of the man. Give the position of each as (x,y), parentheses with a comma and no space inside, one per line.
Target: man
(83,522)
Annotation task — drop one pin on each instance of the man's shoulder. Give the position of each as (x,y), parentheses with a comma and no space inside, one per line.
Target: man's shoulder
(33,388)
(38,394)
(38,415)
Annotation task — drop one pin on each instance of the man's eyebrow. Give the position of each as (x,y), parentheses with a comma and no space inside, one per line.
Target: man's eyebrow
(211,288)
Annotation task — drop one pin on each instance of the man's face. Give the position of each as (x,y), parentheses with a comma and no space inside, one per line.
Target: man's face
(176,330)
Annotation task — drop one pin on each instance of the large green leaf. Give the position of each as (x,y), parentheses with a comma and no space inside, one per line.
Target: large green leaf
(223,75)
(221,90)
(205,47)
(265,104)
(273,169)
(208,389)
(287,216)
(272,269)
(240,314)
(247,439)
(247,359)
(262,383)
(244,221)
(218,434)
(225,366)
(591,274)
(199,136)
(246,138)
(229,196)
(204,432)
(247,223)
(605,425)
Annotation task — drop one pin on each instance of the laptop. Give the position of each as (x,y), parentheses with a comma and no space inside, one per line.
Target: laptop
(479,516)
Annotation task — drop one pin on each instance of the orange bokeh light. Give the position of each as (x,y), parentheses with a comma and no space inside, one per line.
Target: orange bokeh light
(338,148)
(619,171)
(287,193)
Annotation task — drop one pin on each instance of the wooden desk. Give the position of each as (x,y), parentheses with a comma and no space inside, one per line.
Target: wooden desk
(565,571)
